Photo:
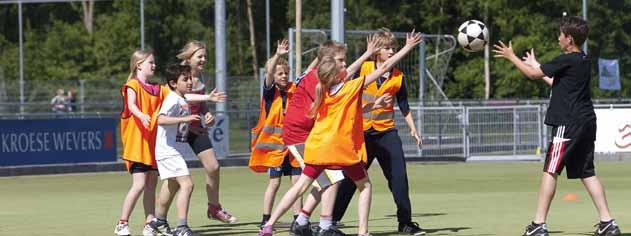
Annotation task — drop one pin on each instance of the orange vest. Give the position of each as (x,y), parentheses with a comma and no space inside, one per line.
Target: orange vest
(383,118)
(268,148)
(337,137)
(139,142)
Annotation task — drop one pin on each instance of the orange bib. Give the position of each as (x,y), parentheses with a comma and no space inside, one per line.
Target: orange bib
(139,142)
(268,148)
(383,118)
(337,137)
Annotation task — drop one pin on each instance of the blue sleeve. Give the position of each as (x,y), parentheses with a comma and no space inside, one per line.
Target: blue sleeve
(402,98)
(268,96)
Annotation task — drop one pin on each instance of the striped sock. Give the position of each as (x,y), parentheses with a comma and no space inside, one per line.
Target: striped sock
(303,217)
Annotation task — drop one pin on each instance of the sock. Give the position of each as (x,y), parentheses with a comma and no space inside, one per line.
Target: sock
(303,217)
(181,222)
(266,217)
(325,222)
(161,220)
(535,224)
(606,222)
(121,221)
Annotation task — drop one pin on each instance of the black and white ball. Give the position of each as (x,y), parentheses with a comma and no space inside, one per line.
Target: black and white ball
(473,35)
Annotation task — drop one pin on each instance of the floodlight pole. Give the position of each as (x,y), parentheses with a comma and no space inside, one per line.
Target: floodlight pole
(142,24)
(337,20)
(21,58)
(220,51)
(585,18)
(267,30)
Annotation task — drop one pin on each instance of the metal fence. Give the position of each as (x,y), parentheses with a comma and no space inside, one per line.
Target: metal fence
(513,132)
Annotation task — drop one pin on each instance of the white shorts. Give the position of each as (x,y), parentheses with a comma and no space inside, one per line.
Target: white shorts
(171,167)
(327,178)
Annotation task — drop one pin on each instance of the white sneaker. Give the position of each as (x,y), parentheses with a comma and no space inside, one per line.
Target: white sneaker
(148,231)
(122,230)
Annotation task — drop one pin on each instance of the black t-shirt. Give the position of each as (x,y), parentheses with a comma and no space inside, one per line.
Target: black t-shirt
(571,101)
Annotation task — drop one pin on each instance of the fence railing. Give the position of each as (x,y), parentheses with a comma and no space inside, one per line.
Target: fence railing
(463,131)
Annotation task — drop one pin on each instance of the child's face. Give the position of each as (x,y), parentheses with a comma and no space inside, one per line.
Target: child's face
(148,66)
(184,84)
(280,75)
(340,64)
(385,53)
(198,60)
(565,41)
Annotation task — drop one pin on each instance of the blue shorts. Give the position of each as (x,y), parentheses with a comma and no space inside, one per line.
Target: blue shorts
(284,170)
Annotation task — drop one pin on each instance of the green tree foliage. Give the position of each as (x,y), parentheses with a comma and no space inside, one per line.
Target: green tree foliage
(58,47)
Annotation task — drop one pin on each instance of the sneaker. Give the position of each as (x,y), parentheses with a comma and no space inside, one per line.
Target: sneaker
(220,214)
(536,230)
(266,231)
(183,230)
(148,231)
(332,232)
(122,229)
(411,228)
(161,227)
(607,229)
(300,230)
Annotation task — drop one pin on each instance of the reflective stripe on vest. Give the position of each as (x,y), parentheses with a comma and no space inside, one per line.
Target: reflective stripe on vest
(269,146)
(386,115)
(272,129)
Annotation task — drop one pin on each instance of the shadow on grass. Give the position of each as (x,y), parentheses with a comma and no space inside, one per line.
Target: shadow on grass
(421,215)
(438,231)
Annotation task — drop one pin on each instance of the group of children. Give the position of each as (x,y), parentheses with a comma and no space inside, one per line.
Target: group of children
(323,123)
(159,125)
(325,130)
(335,119)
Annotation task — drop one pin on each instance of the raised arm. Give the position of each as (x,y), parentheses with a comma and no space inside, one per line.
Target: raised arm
(371,48)
(282,48)
(411,40)
(501,50)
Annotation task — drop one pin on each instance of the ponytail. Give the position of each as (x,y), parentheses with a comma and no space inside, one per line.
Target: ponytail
(319,96)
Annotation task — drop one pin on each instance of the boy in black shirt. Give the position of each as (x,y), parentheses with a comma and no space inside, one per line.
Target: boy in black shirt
(571,115)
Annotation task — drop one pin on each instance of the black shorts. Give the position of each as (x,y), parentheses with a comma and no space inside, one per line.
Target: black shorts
(199,143)
(572,146)
(140,168)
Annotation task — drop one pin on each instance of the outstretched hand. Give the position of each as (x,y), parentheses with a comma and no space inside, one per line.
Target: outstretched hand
(530,59)
(413,38)
(371,44)
(282,47)
(216,96)
(501,50)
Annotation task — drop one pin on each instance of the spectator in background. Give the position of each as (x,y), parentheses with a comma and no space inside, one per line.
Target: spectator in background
(71,101)
(58,102)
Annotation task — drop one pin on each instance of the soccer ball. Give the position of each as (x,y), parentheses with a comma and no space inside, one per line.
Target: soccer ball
(473,35)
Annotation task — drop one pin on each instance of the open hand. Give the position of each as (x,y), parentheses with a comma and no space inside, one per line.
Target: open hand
(282,47)
(501,50)
(530,59)
(413,38)
(216,96)
(371,44)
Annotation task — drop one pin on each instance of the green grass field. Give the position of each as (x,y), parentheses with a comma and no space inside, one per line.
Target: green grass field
(447,199)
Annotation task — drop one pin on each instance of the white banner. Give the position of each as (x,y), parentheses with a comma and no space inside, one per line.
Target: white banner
(614,130)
